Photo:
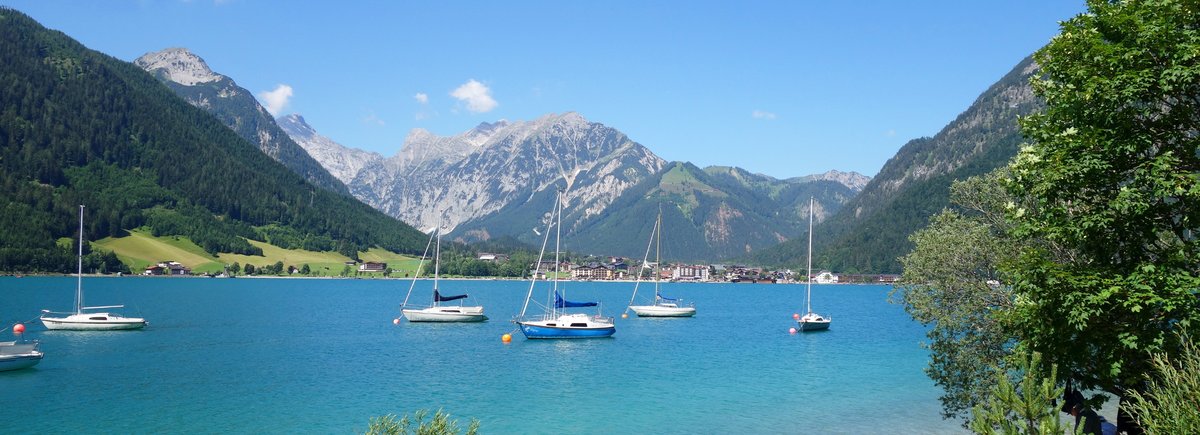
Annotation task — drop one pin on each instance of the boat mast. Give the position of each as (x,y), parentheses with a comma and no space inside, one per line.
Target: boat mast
(79,267)
(437,261)
(537,267)
(808,280)
(417,273)
(657,253)
(645,259)
(557,247)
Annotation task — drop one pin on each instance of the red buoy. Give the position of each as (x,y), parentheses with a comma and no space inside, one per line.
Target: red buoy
(18,329)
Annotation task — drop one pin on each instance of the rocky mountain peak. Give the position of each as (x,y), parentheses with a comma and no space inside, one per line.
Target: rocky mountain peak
(178,65)
(855,181)
(295,126)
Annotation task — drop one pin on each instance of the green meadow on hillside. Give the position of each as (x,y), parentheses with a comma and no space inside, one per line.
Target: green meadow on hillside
(141,249)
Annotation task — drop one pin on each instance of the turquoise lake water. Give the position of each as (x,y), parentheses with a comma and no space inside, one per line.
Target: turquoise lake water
(322,356)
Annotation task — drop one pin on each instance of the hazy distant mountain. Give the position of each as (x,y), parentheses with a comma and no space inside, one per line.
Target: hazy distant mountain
(189,76)
(871,232)
(342,162)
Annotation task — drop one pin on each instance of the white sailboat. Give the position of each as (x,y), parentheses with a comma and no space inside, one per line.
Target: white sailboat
(80,320)
(811,321)
(438,312)
(16,355)
(661,306)
(556,322)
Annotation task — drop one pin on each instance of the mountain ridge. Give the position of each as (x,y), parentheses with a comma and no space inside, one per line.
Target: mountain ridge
(871,232)
(611,172)
(83,127)
(189,76)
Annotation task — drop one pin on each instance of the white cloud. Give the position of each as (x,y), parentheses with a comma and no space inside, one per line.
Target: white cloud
(762,114)
(277,99)
(890,133)
(372,119)
(477,96)
(421,98)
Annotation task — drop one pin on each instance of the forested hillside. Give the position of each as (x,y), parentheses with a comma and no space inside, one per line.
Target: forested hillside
(871,231)
(81,127)
(708,214)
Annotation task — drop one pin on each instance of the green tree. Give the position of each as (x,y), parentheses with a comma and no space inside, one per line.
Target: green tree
(305,270)
(346,270)
(235,268)
(1111,175)
(1028,410)
(952,283)
(1169,405)
(250,269)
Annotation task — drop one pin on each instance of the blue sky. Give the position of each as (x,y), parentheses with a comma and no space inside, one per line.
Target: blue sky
(785,88)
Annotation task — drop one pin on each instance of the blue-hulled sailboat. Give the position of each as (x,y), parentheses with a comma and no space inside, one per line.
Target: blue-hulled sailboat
(556,322)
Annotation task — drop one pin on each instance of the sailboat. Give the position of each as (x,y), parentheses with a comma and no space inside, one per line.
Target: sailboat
(81,320)
(438,312)
(811,321)
(556,322)
(16,355)
(663,306)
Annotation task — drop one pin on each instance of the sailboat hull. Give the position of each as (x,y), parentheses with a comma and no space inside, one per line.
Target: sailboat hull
(445,314)
(813,322)
(16,356)
(662,311)
(568,326)
(93,322)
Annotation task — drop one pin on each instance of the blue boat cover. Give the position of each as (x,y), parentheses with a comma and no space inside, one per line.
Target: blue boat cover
(660,296)
(559,302)
(437,297)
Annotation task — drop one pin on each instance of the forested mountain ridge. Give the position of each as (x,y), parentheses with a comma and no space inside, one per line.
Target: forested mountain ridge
(871,232)
(709,214)
(190,77)
(80,127)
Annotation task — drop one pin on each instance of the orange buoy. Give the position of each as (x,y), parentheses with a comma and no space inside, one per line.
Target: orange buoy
(18,329)
(624,315)
(791,330)
(795,316)
(396,321)
(507,338)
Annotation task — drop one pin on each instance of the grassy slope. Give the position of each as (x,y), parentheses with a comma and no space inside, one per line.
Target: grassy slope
(140,249)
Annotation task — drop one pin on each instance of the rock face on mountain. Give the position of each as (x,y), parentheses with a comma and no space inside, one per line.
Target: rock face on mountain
(514,167)
(500,179)
(342,162)
(871,232)
(189,76)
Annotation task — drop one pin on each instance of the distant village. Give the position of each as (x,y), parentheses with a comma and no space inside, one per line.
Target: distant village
(614,269)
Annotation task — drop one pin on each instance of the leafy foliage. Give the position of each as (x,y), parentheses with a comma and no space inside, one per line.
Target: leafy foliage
(952,283)
(1111,173)
(440,424)
(1028,410)
(1169,403)
(79,127)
